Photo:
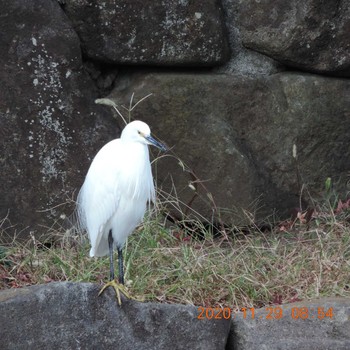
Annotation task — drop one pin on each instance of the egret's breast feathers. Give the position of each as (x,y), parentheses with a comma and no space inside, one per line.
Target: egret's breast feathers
(136,178)
(118,172)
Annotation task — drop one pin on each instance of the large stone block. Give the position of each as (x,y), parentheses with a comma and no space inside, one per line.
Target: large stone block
(72,316)
(50,126)
(311,35)
(237,134)
(172,33)
(311,325)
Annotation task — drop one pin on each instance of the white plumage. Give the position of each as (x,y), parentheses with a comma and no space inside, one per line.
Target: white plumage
(117,188)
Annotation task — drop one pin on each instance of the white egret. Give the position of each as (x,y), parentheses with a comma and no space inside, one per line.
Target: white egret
(115,193)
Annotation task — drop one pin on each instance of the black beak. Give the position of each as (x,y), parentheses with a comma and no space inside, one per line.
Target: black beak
(156,143)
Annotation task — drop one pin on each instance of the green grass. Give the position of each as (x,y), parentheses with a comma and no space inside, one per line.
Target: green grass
(294,261)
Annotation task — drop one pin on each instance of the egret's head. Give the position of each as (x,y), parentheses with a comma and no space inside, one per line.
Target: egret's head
(139,131)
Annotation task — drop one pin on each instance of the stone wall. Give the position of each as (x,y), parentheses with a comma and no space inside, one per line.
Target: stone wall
(235,86)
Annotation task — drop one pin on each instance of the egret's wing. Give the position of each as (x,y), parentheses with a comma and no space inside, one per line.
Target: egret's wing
(99,197)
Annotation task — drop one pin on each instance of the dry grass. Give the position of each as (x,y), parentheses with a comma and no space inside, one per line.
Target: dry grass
(294,261)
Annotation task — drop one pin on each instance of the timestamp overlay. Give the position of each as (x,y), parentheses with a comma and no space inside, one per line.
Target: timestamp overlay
(267,313)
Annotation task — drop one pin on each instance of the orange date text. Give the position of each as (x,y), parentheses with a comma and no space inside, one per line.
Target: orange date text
(269,313)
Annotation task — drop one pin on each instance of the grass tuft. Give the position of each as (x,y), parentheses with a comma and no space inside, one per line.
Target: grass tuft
(296,260)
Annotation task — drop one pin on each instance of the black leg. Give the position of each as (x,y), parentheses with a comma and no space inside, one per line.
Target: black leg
(111,263)
(120,265)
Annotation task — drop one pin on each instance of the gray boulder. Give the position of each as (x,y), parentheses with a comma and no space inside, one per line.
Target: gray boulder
(72,316)
(311,35)
(147,32)
(304,326)
(69,315)
(237,135)
(50,126)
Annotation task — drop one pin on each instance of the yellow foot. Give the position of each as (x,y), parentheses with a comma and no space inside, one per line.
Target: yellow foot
(119,288)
